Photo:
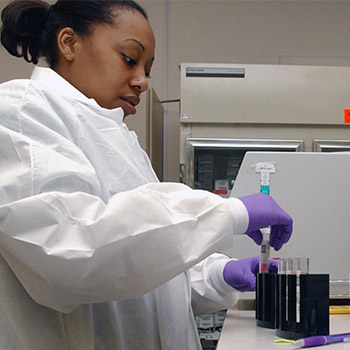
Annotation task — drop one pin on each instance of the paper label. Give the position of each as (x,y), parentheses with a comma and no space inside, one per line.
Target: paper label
(266,167)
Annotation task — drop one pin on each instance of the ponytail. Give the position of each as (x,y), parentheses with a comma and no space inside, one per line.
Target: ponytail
(23,23)
(29,27)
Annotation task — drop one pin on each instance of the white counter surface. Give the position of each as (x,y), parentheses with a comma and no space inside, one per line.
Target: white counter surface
(240,332)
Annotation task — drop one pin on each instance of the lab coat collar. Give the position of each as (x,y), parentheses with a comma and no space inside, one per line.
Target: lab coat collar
(53,81)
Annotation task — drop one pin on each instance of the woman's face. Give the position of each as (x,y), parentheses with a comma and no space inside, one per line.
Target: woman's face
(112,64)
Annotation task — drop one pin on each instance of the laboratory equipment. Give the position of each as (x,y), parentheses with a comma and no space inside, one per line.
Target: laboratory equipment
(314,305)
(213,163)
(265,251)
(265,169)
(224,115)
(314,189)
(293,302)
(302,300)
(265,302)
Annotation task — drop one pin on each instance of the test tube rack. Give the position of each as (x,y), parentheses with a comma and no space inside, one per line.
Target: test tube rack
(278,303)
(265,301)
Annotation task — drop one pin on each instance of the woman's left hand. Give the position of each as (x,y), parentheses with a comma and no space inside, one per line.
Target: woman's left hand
(241,274)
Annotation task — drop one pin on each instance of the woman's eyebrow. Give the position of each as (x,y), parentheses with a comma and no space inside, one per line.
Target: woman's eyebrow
(136,41)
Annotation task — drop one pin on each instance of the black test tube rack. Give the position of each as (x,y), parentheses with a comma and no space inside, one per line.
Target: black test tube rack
(279,306)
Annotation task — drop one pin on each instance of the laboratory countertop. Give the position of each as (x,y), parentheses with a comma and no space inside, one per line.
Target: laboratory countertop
(240,332)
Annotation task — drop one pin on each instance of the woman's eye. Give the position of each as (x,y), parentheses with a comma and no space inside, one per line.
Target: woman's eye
(129,61)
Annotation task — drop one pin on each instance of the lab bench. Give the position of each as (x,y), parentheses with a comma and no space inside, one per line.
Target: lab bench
(240,332)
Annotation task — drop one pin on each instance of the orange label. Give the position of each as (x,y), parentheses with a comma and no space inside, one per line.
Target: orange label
(220,191)
(347,116)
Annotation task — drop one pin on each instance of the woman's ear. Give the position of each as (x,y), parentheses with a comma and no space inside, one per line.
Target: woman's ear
(66,40)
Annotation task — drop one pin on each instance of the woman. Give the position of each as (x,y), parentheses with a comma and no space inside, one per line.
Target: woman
(95,252)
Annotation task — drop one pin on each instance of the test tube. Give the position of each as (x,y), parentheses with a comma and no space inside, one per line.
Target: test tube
(282,266)
(301,266)
(290,271)
(286,267)
(283,269)
(265,250)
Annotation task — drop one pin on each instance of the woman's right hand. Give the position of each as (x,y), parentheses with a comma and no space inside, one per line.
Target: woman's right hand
(263,212)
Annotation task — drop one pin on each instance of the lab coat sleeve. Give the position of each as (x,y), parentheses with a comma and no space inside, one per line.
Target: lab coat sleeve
(69,247)
(210,292)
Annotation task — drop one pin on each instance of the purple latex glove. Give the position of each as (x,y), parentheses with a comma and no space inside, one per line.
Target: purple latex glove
(241,274)
(263,211)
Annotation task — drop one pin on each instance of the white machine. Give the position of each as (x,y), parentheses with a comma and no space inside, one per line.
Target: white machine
(256,104)
(314,188)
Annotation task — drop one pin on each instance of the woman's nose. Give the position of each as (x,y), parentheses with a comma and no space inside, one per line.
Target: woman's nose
(140,81)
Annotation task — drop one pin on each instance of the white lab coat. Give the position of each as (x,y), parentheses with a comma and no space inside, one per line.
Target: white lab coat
(95,252)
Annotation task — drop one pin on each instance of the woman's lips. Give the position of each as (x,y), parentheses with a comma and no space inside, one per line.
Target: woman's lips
(129,104)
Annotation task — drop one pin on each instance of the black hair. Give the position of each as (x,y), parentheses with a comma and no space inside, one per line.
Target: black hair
(29,27)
